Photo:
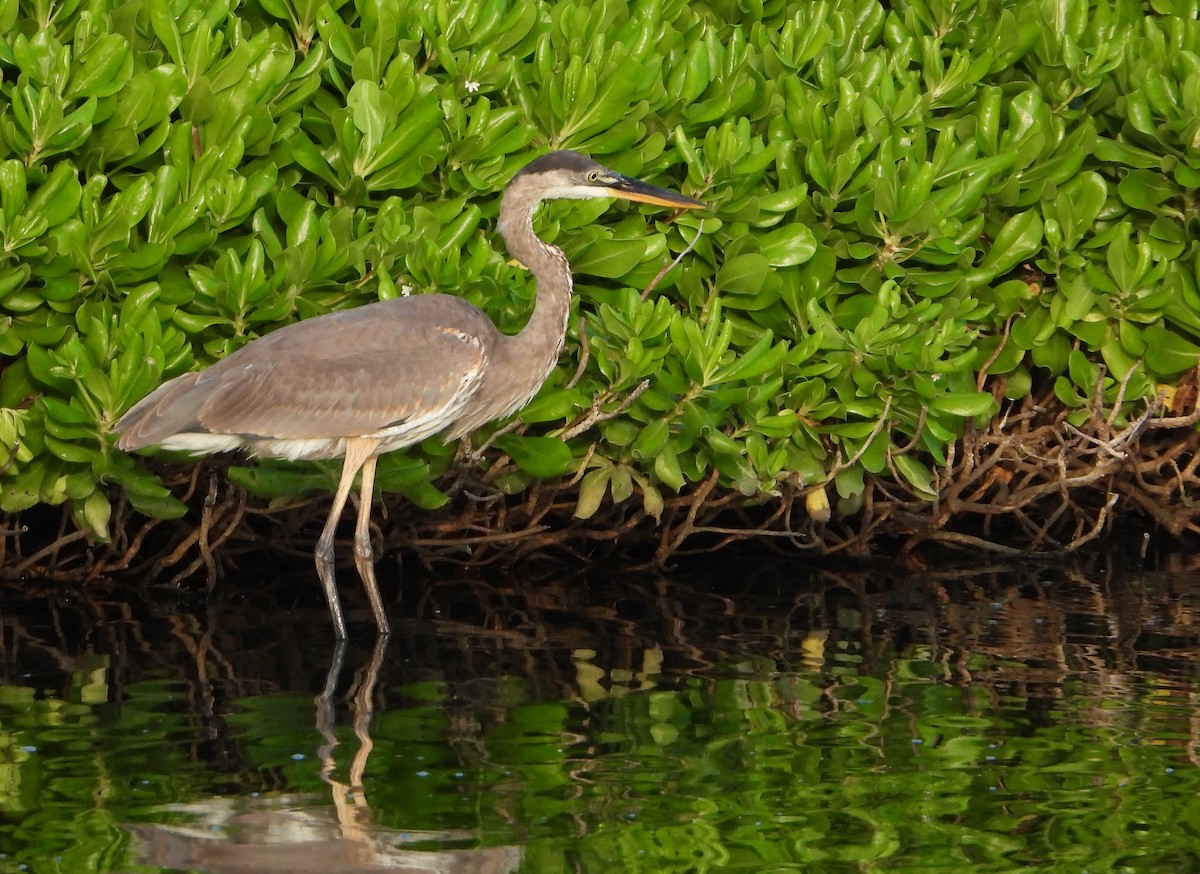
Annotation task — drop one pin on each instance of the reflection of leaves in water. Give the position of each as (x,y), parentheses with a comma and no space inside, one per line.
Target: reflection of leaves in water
(837,724)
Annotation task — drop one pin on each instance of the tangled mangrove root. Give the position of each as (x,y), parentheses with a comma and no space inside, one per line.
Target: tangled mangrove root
(1030,482)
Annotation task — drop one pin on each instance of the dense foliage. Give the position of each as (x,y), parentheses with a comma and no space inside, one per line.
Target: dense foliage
(908,200)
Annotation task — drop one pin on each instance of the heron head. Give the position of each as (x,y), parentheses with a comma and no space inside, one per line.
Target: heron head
(569,175)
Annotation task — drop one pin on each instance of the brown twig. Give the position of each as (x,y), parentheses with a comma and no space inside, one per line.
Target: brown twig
(667,267)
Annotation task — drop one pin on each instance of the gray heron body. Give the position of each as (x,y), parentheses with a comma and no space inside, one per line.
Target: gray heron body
(361,382)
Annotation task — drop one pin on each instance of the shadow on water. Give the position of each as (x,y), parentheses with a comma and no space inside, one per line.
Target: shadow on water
(730,717)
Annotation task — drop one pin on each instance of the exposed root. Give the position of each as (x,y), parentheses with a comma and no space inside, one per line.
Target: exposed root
(1031,482)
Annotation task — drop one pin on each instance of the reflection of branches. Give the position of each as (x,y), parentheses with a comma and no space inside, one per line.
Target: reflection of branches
(1008,631)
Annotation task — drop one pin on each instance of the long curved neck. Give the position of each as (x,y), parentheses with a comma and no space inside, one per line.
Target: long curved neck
(537,345)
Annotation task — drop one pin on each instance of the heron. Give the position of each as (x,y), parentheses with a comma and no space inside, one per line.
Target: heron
(357,383)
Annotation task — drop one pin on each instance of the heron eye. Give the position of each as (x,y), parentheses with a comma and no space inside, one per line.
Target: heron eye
(593,176)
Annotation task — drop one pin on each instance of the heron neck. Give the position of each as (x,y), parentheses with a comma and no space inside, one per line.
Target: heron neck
(542,337)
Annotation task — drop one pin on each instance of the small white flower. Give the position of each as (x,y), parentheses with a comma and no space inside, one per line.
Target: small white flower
(471,85)
(405,290)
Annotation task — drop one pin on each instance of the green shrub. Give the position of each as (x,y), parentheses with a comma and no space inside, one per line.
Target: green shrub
(906,197)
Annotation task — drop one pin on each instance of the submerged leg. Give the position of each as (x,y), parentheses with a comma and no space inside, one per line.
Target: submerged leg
(357,453)
(363,559)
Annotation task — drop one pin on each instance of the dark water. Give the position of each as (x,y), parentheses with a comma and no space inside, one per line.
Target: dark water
(1000,718)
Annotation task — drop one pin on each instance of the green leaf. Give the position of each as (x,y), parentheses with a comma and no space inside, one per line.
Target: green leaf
(621,484)
(591,492)
(270,480)
(544,457)
(1067,392)
(967,404)
(1168,354)
(163,23)
(850,482)
(610,259)
(744,274)
(917,475)
(1017,241)
(70,450)
(1146,189)
(57,198)
(107,66)
(1084,372)
(96,511)
(667,469)
(1080,202)
(373,110)
(425,495)
(652,500)
(1116,152)
(651,439)
(788,246)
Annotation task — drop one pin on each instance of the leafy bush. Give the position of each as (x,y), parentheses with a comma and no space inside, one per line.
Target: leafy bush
(907,199)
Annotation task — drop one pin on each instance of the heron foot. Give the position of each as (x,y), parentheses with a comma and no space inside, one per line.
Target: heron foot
(324,559)
(364,560)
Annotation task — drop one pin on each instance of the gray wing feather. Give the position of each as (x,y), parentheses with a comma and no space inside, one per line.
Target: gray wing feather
(350,373)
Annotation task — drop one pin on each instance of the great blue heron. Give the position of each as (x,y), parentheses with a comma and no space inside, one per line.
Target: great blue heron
(361,382)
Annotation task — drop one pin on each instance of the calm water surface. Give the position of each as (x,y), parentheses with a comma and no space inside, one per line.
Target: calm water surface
(998,718)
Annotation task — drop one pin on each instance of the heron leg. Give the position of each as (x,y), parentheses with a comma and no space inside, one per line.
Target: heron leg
(357,453)
(363,559)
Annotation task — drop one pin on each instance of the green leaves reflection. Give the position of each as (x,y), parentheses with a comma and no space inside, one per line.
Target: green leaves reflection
(747,768)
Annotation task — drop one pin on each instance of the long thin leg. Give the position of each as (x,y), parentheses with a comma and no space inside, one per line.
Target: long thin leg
(357,453)
(363,559)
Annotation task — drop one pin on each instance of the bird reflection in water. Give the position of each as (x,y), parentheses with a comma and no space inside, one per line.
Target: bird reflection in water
(263,836)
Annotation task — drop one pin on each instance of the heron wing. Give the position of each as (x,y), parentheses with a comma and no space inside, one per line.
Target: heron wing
(402,365)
